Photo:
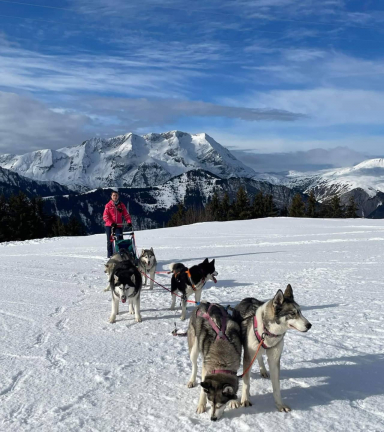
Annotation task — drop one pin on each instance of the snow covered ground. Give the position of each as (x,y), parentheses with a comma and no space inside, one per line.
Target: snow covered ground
(63,367)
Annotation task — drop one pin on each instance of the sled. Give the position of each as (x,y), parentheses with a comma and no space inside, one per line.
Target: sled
(127,244)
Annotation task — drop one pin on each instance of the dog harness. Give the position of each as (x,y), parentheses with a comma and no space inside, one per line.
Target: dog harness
(223,371)
(262,337)
(220,332)
(188,273)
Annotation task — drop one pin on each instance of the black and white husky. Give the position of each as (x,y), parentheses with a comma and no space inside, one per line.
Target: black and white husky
(125,283)
(217,336)
(147,265)
(269,322)
(189,281)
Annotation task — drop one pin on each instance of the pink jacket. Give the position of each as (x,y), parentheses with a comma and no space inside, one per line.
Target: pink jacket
(114,214)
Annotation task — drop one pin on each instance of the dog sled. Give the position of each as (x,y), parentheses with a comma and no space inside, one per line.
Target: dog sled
(127,244)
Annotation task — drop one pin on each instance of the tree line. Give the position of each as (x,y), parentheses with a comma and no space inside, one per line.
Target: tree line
(312,209)
(221,208)
(23,218)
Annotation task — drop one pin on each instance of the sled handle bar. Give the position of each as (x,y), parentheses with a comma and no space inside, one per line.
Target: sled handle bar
(128,232)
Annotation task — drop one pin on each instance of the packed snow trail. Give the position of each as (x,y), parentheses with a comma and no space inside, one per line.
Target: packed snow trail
(63,367)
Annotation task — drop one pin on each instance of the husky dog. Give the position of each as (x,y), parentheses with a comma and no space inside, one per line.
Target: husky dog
(190,280)
(123,255)
(214,333)
(268,322)
(125,282)
(147,264)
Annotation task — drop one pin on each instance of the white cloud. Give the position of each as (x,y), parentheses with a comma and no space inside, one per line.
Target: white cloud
(27,125)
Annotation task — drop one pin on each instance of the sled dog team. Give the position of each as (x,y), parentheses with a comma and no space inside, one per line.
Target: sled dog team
(253,326)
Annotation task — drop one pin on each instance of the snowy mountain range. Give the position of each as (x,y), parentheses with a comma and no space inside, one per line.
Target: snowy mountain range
(127,161)
(152,207)
(12,183)
(364,181)
(147,162)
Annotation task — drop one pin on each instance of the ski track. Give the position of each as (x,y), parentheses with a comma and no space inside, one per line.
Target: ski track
(63,367)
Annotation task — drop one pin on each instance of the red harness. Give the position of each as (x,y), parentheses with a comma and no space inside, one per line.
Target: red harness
(266,333)
(220,332)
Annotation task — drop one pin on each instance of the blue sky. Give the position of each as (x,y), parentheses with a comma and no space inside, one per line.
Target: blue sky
(260,75)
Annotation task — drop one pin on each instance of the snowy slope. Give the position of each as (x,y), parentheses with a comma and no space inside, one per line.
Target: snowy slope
(128,160)
(64,368)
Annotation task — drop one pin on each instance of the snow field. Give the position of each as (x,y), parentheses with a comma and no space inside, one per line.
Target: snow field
(63,367)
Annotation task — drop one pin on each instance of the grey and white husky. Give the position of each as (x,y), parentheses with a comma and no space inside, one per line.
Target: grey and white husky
(217,336)
(125,283)
(147,265)
(270,321)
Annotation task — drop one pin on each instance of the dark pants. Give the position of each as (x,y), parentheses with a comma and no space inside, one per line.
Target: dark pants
(118,233)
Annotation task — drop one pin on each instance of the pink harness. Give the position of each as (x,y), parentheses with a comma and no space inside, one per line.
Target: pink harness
(262,337)
(220,332)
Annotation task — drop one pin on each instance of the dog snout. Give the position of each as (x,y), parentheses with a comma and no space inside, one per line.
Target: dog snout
(308,326)
(214,418)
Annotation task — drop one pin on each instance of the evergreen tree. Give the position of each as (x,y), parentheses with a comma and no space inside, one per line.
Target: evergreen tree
(22,226)
(177,218)
(258,206)
(213,208)
(270,209)
(335,209)
(225,206)
(242,207)
(351,208)
(297,208)
(74,227)
(311,205)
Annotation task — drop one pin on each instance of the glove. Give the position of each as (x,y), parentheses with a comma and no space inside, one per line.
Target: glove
(114,225)
(129,227)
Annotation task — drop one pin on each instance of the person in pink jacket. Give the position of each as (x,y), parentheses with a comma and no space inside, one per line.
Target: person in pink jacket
(114,213)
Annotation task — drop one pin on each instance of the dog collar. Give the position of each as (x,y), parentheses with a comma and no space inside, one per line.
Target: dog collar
(265,333)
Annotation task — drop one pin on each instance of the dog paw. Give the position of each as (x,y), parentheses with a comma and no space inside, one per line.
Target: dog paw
(182,318)
(112,319)
(264,374)
(233,404)
(191,384)
(246,403)
(200,409)
(283,408)
(138,319)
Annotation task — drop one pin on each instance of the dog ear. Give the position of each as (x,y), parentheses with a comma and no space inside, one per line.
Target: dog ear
(288,293)
(278,299)
(152,249)
(228,390)
(116,279)
(206,261)
(206,385)
(213,261)
(142,252)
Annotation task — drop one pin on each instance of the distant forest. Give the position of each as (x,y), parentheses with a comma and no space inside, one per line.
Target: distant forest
(220,208)
(23,218)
